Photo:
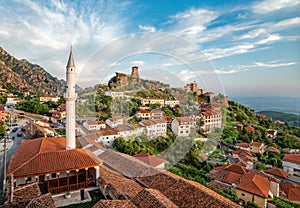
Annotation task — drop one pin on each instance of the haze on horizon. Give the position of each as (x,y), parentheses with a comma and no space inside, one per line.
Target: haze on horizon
(238,48)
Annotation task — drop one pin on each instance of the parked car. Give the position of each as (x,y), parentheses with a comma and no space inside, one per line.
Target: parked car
(14,129)
(19,134)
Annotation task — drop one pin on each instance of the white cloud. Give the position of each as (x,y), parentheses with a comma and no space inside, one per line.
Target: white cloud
(147,28)
(138,62)
(271,38)
(186,75)
(273,5)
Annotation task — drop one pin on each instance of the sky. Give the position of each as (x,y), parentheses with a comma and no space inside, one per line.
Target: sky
(234,47)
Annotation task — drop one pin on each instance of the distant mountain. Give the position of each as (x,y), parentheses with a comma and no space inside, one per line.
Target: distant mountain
(21,75)
(77,87)
(290,119)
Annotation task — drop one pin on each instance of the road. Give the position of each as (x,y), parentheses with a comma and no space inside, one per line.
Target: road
(16,143)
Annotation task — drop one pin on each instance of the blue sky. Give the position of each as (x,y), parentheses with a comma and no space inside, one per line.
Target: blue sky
(239,48)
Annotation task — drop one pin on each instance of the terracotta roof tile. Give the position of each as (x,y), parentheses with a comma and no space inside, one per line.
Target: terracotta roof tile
(243,144)
(294,194)
(125,164)
(241,152)
(278,172)
(255,184)
(121,187)
(114,204)
(294,158)
(152,198)
(30,157)
(150,159)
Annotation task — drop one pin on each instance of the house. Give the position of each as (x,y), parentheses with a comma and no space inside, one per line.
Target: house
(4,115)
(226,175)
(291,164)
(47,98)
(211,95)
(114,94)
(254,188)
(291,192)
(46,161)
(106,136)
(168,189)
(243,158)
(157,114)
(243,146)
(147,101)
(152,160)
(211,118)
(127,130)
(143,114)
(182,126)
(94,125)
(57,115)
(39,128)
(257,147)
(273,149)
(278,172)
(171,103)
(154,127)
(12,101)
(271,133)
(114,122)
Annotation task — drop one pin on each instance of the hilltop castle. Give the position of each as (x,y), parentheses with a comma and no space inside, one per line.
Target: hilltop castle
(124,79)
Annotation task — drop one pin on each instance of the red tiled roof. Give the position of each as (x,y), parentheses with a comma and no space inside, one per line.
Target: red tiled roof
(257,144)
(294,194)
(2,108)
(114,204)
(243,144)
(255,184)
(184,120)
(48,155)
(274,149)
(241,152)
(250,128)
(149,159)
(285,187)
(152,198)
(278,172)
(294,158)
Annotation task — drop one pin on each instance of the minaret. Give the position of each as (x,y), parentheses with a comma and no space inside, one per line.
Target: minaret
(70,97)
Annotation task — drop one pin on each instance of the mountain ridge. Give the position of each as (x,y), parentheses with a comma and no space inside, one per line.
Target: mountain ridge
(21,75)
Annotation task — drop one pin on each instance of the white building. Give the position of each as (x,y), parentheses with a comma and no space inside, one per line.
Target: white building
(47,98)
(211,119)
(291,164)
(12,101)
(154,127)
(114,122)
(127,130)
(158,101)
(114,94)
(157,114)
(94,125)
(107,136)
(171,103)
(143,114)
(182,126)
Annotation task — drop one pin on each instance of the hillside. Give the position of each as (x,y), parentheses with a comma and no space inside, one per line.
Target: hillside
(21,75)
(290,119)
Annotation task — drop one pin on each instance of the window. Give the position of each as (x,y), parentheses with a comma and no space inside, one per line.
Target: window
(243,193)
(53,175)
(186,131)
(181,132)
(28,179)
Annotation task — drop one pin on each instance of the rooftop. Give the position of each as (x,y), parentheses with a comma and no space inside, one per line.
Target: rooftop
(294,158)
(29,158)
(255,184)
(278,172)
(150,159)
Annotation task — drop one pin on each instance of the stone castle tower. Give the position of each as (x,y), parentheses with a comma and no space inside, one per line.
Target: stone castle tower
(135,72)
(70,97)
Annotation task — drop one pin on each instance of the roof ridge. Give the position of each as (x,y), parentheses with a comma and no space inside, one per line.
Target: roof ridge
(256,175)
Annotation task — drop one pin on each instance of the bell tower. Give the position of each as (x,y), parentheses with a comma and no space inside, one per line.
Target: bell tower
(70,97)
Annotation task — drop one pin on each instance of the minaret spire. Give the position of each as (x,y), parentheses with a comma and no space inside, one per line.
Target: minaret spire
(70,97)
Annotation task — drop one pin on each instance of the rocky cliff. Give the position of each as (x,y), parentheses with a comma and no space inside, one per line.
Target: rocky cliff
(20,75)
